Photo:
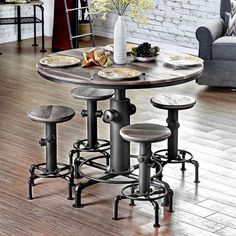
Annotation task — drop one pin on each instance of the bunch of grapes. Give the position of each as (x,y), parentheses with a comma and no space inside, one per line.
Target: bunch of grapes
(145,50)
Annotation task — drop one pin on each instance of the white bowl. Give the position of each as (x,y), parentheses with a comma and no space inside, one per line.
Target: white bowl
(145,59)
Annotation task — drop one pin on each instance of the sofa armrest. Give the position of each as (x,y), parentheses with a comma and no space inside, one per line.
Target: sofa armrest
(207,34)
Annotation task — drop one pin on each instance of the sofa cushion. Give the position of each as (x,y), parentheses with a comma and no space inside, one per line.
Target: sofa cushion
(224,48)
(230,19)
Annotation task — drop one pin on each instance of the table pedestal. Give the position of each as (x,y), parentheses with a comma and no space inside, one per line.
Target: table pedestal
(118,116)
(120,149)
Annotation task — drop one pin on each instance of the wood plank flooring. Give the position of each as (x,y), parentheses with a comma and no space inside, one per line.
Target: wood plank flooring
(208,130)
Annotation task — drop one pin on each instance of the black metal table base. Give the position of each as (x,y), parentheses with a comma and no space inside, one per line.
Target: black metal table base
(63,171)
(182,157)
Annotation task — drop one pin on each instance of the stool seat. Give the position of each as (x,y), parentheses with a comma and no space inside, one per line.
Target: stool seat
(92,94)
(145,133)
(51,114)
(173,102)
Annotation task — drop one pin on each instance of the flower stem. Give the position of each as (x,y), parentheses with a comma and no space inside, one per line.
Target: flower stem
(116,5)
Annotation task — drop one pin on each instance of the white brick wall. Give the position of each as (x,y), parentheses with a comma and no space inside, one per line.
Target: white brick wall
(173,22)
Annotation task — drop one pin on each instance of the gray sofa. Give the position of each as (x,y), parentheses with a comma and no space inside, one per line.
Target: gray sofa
(218,51)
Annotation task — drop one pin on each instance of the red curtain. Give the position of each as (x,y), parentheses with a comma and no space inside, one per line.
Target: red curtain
(60,38)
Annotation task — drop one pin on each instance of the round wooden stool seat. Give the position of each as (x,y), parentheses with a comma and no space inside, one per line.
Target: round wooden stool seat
(173,102)
(145,133)
(51,114)
(92,94)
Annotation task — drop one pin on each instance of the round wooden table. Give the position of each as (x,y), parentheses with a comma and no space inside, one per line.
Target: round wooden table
(155,74)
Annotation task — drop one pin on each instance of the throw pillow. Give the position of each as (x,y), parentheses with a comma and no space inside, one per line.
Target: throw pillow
(231,19)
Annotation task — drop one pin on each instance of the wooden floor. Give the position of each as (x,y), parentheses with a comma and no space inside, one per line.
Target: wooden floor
(208,130)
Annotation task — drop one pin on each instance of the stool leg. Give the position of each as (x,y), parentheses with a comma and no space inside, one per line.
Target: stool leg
(31,170)
(107,158)
(183,167)
(69,181)
(115,206)
(78,192)
(29,189)
(166,199)
(157,170)
(183,153)
(132,193)
(156,210)
(72,177)
(76,165)
(170,195)
(196,165)
(71,154)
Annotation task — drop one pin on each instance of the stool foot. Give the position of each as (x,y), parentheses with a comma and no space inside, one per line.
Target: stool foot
(115,206)
(156,210)
(29,188)
(183,167)
(196,165)
(78,192)
(70,184)
(170,195)
(132,193)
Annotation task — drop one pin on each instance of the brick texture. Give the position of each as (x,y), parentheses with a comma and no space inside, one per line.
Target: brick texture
(174,22)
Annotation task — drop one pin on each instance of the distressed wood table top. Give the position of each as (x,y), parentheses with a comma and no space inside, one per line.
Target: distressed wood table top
(154,74)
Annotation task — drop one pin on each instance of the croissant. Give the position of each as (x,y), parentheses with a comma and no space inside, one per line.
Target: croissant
(96,57)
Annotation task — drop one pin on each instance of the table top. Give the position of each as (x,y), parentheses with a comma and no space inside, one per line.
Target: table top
(20,4)
(157,73)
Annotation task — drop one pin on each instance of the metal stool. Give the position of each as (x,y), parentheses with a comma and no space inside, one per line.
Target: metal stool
(174,103)
(145,134)
(91,143)
(51,115)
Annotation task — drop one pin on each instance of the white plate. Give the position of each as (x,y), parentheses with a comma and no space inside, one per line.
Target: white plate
(110,47)
(183,60)
(59,61)
(145,59)
(119,73)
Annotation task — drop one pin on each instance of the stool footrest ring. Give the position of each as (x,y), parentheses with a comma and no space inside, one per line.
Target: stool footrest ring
(151,196)
(101,146)
(113,174)
(61,172)
(180,158)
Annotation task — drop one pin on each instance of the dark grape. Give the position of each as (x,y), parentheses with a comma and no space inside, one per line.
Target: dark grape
(145,50)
